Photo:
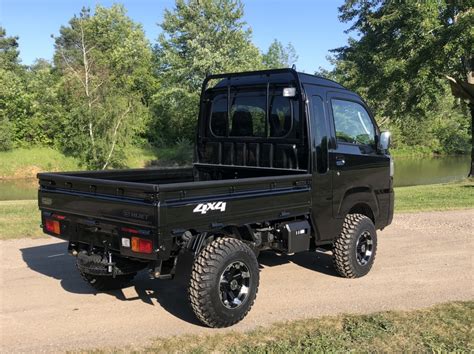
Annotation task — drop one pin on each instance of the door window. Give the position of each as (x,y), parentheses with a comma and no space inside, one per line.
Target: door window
(352,122)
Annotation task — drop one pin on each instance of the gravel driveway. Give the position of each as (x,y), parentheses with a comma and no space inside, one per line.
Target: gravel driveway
(423,259)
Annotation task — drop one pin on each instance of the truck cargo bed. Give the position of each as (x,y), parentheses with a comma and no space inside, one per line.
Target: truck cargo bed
(167,202)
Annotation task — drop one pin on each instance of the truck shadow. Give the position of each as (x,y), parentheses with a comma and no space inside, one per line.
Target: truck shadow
(316,261)
(53,261)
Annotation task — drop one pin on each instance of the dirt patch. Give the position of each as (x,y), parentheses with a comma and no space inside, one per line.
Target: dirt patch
(24,173)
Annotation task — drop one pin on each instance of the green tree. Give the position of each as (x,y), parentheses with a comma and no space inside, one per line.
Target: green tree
(9,53)
(105,63)
(279,56)
(13,98)
(46,117)
(14,107)
(30,112)
(200,37)
(399,58)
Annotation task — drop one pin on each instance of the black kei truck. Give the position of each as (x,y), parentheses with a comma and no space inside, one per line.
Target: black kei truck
(284,161)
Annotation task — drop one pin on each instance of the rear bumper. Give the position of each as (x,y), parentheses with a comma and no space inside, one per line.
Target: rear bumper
(87,233)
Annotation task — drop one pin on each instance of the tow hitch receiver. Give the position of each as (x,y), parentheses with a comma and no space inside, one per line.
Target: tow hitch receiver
(104,264)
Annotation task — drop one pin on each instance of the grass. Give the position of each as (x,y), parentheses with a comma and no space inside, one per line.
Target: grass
(447,196)
(26,163)
(443,328)
(412,151)
(19,219)
(139,157)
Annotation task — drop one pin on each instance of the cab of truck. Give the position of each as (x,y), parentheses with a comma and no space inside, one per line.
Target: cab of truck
(285,122)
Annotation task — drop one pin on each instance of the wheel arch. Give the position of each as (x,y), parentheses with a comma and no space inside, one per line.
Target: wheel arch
(200,239)
(360,200)
(364,209)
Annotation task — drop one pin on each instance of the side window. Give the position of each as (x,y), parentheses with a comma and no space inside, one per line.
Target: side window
(320,134)
(352,122)
(247,114)
(280,116)
(219,115)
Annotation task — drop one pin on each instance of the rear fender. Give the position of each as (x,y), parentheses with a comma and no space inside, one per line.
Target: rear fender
(200,240)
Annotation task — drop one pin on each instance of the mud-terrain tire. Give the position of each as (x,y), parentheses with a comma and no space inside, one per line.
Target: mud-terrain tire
(355,248)
(107,282)
(224,282)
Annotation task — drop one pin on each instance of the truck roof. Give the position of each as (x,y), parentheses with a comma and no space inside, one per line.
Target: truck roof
(283,76)
(318,80)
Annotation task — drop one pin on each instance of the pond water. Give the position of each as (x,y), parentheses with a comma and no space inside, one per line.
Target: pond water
(408,172)
(18,189)
(430,170)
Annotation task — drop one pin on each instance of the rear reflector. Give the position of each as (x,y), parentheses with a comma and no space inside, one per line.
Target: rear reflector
(129,230)
(125,242)
(135,231)
(53,226)
(141,245)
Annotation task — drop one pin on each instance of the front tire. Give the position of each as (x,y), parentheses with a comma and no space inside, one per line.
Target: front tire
(355,248)
(224,282)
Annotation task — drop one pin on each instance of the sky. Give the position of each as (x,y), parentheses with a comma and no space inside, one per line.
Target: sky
(312,26)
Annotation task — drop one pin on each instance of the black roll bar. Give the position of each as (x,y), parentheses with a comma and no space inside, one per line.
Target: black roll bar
(269,72)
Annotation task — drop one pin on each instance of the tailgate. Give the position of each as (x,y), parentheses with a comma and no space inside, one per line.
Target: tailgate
(99,199)
(98,207)
(98,212)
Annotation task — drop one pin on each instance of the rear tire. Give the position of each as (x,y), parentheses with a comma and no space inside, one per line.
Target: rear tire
(224,282)
(107,282)
(355,248)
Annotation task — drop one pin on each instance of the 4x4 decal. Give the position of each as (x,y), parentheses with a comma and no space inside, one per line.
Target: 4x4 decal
(203,208)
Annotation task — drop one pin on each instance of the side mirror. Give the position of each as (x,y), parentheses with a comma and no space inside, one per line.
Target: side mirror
(384,141)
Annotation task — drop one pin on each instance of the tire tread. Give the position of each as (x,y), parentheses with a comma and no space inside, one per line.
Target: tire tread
(204,270)
(342,246)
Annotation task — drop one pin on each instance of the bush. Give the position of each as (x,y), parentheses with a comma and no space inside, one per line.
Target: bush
(175,114)
(6,142)
(445,131)
(180,154)
(453,138)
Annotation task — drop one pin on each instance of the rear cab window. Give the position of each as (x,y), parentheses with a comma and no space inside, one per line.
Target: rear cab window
(281,115)
(253,125)
(246,115)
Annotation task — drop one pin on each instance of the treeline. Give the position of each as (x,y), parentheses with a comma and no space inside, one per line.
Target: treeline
(400,60)
(108,87)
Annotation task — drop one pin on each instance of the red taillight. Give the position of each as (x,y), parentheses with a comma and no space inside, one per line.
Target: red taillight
(141,245)
(59,217)
(53,226)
